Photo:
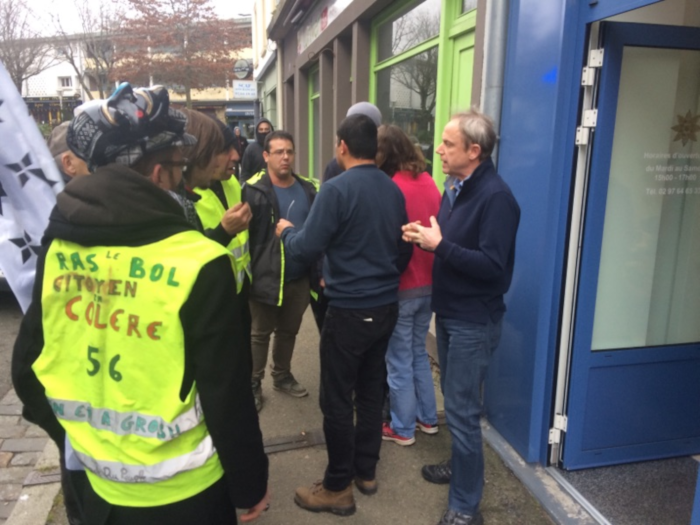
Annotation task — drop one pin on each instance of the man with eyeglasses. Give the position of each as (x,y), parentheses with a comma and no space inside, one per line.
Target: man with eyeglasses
(133,355)
(280,289)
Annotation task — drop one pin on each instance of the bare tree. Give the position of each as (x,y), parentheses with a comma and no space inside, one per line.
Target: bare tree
(179,43)
(91,50)
(23,51)
(419,73)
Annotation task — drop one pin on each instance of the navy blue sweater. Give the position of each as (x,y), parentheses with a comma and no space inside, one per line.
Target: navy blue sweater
(473,266)
(356,221)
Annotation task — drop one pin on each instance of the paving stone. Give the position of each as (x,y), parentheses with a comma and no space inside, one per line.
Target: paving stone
(10,491)
(25,459)
(35,431)
(11,398)
(6,509)
(10,410)
(14,474)
(5,458)
(12,431)
(24,445)
(9,420)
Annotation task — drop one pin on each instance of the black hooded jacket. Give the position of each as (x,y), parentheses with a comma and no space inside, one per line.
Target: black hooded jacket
(118,207)
(253,161)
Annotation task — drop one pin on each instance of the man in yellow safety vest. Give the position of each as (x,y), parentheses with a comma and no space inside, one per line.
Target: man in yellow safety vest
(133,355)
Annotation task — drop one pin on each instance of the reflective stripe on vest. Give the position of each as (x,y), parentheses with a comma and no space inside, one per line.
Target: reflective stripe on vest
(127,423)
(113,363)
(156,473)
(211,210)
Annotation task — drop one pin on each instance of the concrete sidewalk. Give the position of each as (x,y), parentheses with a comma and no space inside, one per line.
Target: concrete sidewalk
(294,440)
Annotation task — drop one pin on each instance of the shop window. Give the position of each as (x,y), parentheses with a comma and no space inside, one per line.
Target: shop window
(406,95)
(468,5)
(406,30)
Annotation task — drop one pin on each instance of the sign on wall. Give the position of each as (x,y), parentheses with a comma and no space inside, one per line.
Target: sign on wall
(318,20)
(244,89)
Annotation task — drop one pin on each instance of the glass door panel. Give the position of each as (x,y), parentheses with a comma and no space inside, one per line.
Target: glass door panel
(639,284)
(649,285)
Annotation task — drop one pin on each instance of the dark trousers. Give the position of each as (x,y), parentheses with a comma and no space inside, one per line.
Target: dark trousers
(353,350)
(319,307)
(73,483)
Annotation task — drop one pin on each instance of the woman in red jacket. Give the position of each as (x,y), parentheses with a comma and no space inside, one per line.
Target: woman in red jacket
(412,394)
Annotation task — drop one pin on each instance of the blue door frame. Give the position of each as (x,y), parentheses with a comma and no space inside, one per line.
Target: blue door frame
(633,404)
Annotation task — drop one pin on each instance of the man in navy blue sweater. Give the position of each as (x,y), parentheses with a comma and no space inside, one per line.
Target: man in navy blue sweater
(474,243)
(356,221)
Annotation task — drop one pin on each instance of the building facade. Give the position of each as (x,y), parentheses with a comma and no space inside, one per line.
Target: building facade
(414,60)
(600,360)
(598,108)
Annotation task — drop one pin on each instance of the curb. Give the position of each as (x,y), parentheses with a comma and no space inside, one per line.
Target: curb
(36,501)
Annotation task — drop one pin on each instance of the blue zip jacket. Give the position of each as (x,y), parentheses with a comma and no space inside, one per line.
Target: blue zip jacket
(474,261)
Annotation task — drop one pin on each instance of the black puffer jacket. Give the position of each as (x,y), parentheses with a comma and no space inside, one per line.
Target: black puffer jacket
(265,248)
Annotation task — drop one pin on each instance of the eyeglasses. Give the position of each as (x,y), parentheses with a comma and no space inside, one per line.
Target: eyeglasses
(176,164)
(280,152)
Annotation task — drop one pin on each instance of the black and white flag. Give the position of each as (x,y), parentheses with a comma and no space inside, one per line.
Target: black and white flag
(29,183)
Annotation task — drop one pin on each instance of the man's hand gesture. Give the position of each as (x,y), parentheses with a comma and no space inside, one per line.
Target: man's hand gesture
(426,238)
(237,218)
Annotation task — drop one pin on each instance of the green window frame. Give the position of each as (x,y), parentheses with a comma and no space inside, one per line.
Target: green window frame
(314,115)
(453,22)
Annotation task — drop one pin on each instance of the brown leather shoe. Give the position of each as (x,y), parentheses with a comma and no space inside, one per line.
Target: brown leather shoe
(366,486)
(316,498)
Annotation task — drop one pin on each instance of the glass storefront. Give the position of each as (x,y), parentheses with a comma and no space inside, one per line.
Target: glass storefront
(468,5)
(406,95)
(408,29)
(649,283)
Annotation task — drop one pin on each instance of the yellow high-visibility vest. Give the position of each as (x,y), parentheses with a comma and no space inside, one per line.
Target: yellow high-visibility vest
(211,210)
(113,362)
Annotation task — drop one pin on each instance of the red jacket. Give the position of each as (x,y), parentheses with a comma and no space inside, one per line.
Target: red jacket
(422,200)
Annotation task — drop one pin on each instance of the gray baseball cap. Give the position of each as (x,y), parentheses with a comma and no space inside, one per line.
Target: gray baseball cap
(368,109)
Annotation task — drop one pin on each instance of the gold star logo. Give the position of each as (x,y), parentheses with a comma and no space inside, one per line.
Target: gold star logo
(686,128)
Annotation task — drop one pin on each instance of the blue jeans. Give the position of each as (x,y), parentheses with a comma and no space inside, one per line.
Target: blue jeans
(464,350)
(411,387)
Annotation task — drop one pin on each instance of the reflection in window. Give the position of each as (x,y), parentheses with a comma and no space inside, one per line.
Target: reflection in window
(406,95)
(407,30)
(468,5)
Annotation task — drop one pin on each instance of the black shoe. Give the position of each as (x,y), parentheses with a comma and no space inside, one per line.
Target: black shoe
(452,517)
(440,473)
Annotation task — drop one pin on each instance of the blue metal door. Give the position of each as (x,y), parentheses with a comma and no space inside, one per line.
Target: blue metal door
(635,371)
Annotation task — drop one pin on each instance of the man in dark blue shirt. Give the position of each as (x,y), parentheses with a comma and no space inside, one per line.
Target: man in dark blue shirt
(473,239)
(356,221)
